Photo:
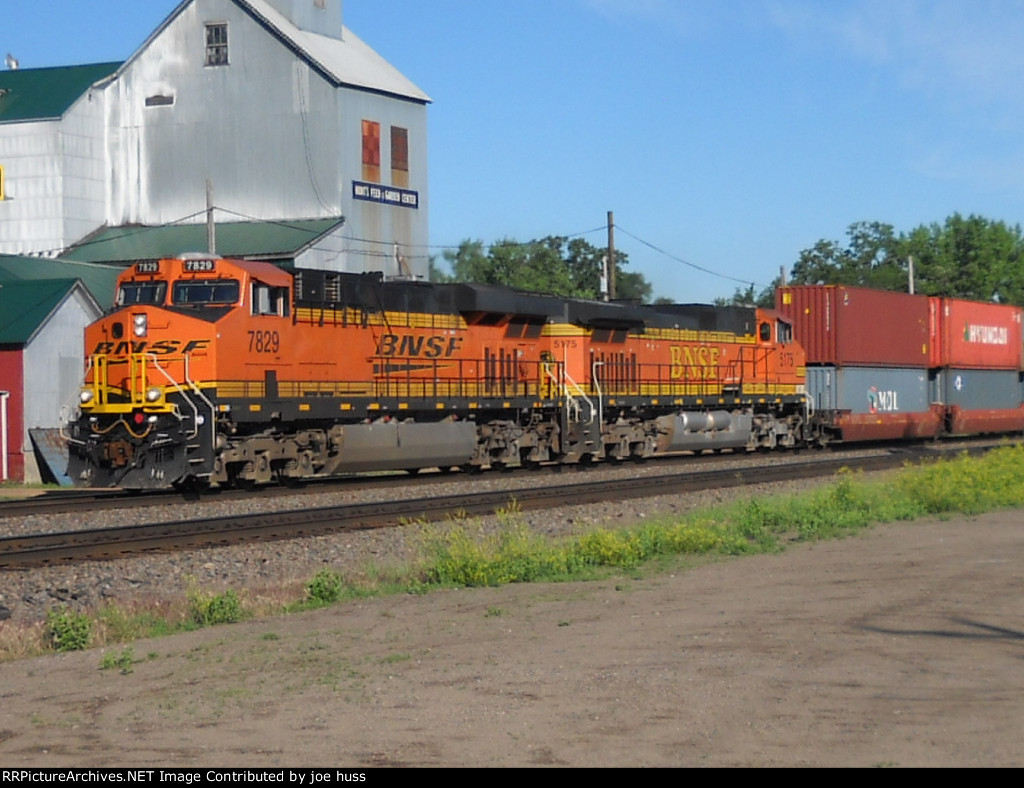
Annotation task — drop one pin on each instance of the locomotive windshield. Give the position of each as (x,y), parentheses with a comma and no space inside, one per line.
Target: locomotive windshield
(197,292)
(131,293)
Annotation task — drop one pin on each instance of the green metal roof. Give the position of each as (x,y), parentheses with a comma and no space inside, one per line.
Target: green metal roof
(253,240)
(24,307)
(99,280)
(46,93)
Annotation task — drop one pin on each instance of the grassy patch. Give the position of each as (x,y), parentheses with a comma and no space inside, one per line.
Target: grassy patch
(123,661)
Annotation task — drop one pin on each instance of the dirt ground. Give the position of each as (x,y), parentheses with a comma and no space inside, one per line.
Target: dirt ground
(903,646)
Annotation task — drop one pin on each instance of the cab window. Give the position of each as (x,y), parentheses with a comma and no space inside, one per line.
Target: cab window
(133,293)
(766,332)
(198,292)
(267,300)
(785,333)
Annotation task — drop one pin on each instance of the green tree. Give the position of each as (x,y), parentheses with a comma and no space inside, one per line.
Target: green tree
(571,268)
(871,258)
(973,258)
(750,297)
(633,286)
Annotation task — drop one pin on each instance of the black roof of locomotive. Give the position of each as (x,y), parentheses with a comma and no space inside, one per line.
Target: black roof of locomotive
(497,299)
(740,320)
(370,291)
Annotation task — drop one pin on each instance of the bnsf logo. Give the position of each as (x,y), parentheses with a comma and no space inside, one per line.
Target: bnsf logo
(165,347)
(395,345)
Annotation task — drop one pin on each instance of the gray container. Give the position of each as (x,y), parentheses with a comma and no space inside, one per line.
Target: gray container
(869,390)
(979,389)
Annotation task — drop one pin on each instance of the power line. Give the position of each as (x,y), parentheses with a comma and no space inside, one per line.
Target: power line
(130,232)
(686,262)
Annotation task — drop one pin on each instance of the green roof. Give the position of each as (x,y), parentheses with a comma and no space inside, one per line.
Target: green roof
(254,240)
(24,307)
(46,93)
(100,280)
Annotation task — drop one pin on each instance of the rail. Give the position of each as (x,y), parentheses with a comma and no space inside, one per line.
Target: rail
(51,549)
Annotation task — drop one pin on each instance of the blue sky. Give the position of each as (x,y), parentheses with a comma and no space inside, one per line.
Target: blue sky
(729,134)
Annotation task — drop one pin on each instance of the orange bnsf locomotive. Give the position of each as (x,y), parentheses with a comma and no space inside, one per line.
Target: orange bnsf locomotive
(225,372)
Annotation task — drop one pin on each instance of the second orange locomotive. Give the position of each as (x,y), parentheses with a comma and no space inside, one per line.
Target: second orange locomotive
(214,371)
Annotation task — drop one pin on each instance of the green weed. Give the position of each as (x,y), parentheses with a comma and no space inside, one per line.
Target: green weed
(325,588)
(208,609)
(67,630)
(122,661)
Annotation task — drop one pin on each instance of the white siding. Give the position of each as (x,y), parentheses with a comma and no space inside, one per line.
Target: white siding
(385,225)
(54,370)
(30,217)
(84,155)
(54,363)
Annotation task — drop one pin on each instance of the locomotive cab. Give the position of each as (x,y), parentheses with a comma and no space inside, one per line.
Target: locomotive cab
(147,413)
(773,328)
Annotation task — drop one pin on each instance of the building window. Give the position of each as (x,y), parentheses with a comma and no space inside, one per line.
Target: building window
(217,44)
(371,151)
(400,157)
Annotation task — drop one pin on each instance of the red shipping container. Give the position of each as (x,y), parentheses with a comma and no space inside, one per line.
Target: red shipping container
(855,326)
(975,335)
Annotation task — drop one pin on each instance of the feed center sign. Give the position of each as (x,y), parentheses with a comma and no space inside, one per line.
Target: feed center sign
(388,195)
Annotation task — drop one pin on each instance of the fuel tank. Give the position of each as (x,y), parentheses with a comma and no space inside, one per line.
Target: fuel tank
(705,430)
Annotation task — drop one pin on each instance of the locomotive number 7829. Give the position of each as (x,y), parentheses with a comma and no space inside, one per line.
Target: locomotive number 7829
(264,342)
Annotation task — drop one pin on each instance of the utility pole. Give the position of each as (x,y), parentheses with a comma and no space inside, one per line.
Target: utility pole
(611,255)
(211,228)
(910,273)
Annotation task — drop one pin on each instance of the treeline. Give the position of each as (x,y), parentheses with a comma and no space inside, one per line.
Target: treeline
(965,257)
(556,265)
(973,258)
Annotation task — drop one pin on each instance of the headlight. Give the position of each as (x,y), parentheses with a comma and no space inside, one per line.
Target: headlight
(140,325)
(85,396)
(154,395)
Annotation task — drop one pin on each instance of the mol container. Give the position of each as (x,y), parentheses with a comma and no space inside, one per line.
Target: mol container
(854,326)
(974,335)
(873,403)
(980,400)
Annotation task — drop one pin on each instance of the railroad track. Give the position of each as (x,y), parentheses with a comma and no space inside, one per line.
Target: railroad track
(67,501)
(20,552)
